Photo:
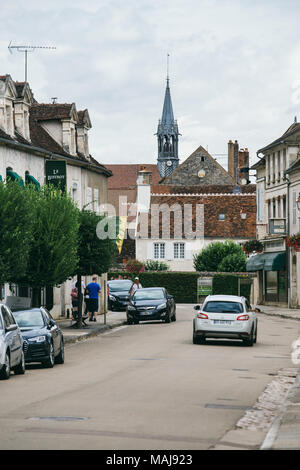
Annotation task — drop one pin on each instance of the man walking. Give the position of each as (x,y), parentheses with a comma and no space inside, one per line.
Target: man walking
(135,285)
(93,289)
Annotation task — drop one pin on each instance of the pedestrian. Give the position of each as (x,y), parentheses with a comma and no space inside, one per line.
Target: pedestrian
(135,285)
(93,289)
(74,301)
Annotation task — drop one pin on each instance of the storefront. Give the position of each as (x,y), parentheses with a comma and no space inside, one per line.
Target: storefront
(272,272)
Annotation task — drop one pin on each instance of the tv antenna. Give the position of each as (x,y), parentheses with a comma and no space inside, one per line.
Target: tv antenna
(27,49)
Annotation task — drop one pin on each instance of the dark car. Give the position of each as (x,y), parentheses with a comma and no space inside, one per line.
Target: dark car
(152,303)
(43,339)
(118,294)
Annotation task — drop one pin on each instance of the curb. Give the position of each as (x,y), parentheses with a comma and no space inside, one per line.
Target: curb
(280,315)
(275,426)
(93,333)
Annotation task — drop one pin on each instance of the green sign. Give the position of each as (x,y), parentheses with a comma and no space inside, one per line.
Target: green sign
(56,173)
(204,286)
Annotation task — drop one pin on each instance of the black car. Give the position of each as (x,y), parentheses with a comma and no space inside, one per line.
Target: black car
(118,294)
(152,303)
(43,339)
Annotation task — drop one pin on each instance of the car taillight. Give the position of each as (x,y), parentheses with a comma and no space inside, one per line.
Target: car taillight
(243,317)
(202,315)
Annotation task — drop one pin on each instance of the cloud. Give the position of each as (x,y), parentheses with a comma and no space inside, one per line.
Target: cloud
(233,68)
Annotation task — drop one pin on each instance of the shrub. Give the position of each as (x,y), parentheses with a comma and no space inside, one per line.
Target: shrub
(233,263)
(153,265)
(211,257)
(134,266)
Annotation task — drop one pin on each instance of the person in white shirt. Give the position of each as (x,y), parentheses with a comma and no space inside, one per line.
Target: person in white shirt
(135,285)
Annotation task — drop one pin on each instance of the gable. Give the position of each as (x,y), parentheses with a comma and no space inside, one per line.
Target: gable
(199,169)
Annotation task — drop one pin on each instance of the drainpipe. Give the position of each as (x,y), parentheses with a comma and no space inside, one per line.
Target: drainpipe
(288,233)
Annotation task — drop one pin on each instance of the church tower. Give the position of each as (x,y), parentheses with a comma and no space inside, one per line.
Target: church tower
(167,138)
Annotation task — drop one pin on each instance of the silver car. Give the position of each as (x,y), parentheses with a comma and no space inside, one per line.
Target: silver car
(11,345)
(225,316)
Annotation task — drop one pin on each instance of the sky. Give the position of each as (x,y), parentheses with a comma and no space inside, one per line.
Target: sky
(234,69)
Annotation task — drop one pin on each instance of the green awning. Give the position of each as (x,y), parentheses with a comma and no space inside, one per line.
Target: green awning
(13,176)
(267,262)
(29,179)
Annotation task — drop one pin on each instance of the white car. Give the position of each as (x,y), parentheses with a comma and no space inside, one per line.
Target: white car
(11,345)
(225,316)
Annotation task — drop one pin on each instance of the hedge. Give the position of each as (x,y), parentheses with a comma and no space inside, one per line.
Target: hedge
(183,285)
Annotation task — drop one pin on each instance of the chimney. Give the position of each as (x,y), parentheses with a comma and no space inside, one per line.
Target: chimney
(233,159)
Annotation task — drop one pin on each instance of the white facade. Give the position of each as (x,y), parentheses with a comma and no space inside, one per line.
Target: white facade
(86,179)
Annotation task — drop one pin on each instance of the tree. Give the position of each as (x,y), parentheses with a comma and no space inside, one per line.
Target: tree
(53,248)
(15,229)
(212,257)
(94,254)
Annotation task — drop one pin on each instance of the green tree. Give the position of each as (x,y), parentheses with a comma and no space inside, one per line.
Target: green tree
(235,262)
(212,257)
(53,249)
(95,254)
(16,217)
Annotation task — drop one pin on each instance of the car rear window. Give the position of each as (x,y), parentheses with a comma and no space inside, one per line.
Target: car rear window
(223,307)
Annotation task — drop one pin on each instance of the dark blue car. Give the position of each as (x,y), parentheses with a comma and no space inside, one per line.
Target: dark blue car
(43,339)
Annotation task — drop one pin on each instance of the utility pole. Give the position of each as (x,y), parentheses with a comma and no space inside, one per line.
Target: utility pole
(26,49)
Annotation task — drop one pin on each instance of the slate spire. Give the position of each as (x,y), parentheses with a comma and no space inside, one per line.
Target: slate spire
(167,137)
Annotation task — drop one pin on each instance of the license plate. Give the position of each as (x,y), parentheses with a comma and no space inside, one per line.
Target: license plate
(222,322)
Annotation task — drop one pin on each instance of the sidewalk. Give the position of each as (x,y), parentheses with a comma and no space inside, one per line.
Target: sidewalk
(284,433)
(71,334)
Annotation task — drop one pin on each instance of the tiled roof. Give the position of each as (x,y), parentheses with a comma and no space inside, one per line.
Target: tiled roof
(159,189)
(295,127)
(44,112)
(232,227)
(125,176)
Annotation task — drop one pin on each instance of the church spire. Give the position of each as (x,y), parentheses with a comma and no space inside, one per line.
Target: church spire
(167,136)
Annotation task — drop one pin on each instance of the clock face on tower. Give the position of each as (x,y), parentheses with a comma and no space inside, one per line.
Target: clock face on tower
(169,163)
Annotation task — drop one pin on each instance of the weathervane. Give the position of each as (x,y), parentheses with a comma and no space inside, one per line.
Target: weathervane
(27,49)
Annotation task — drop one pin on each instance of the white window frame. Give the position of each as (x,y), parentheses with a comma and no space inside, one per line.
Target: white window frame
(159,250)
(179,250)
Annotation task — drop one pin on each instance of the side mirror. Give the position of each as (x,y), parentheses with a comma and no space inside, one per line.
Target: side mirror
(170,296)
(11,328)
(197,307)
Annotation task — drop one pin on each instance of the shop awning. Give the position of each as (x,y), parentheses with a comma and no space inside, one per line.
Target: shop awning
(267,262)
(29,179)
(13,176)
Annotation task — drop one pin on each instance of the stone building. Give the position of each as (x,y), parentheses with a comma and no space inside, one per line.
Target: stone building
(32,134)
(278,189)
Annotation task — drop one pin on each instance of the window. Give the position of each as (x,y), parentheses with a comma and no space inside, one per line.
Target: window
(260,205)
(96,200)
(179,249)
(159,250)
(222,216)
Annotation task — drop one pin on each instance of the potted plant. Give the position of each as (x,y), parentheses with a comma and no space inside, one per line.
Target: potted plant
(253,245)
(293,241)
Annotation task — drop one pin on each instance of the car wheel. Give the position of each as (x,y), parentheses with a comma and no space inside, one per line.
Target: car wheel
(168,319)
(129,322)
(5,371)
(136,322)
(20,368)
(60,359)
(174,317)
(255,337)
(49,363)
(249,341)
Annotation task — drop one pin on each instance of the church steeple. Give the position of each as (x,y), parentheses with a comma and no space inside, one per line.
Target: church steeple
(167,137)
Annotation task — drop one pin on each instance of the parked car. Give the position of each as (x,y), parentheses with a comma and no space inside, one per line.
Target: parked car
(118,294)
(151,303)
(225,316)
(11,345)
(43,339)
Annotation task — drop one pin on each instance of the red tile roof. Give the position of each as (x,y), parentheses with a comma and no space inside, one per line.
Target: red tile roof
(125,175)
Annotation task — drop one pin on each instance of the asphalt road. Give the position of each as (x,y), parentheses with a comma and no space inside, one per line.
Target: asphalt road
(143,386)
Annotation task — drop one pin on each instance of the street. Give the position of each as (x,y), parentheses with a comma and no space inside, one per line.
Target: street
(144,386)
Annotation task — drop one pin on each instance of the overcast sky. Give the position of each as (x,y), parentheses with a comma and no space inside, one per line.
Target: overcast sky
(234,68)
